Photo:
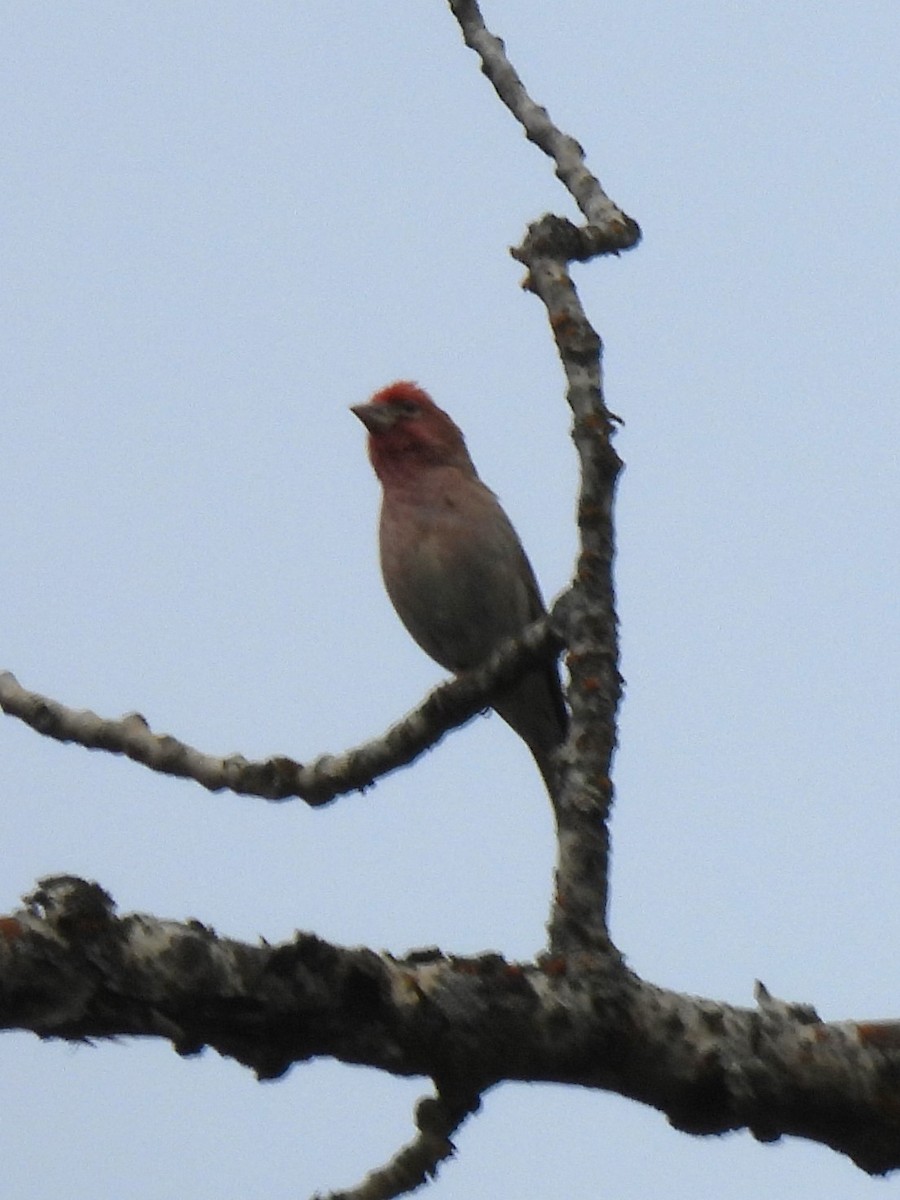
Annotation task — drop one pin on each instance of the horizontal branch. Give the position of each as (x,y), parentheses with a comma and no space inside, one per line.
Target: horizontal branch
(71,968)
(279,777)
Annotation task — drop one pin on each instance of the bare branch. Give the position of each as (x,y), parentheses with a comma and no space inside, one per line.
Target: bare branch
(620,231)
(281,778)
(418,1161)
(71,968)
(582,805)
(584,800)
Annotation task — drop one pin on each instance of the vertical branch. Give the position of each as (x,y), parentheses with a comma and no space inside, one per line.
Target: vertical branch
(587,613)
(584,800)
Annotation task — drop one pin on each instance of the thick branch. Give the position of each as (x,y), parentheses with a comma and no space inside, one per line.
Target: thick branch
(281,778)
(70,968)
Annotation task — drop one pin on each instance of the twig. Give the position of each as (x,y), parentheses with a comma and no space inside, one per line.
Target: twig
(565,151)
(417,1162)
(279,777)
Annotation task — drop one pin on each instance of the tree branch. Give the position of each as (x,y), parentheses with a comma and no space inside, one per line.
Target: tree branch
(612,229)
(418,1161)
(582,805)
(584,801)
(71,968)
(281,778)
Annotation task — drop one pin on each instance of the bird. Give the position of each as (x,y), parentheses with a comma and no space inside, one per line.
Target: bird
(452,563)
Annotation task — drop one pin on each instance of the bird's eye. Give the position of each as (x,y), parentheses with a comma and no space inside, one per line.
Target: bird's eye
(409,408)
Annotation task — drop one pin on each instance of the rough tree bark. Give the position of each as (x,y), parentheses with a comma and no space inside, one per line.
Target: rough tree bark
(71,968)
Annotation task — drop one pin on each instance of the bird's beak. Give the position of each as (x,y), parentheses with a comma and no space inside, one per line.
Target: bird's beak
(375,417)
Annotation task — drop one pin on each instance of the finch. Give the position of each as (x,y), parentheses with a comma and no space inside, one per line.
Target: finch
(452,564)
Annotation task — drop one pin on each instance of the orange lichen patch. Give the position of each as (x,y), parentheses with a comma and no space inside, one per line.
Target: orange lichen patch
(885,1034)
(563,324)
(595,422)
(465,966)
(590,512)
(11,929)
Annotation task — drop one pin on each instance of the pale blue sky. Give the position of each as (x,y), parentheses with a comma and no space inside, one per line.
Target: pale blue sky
(224,223)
